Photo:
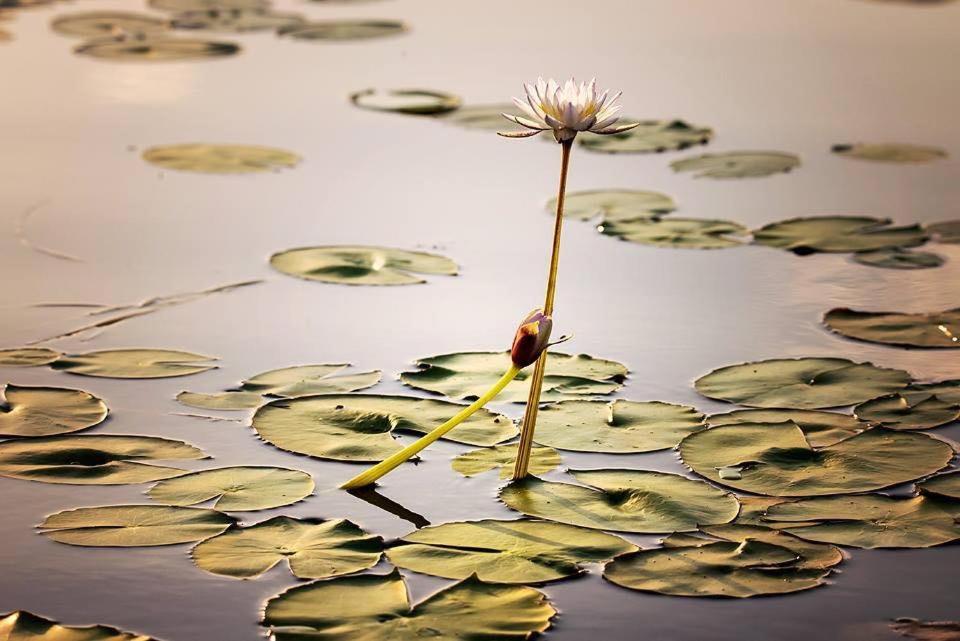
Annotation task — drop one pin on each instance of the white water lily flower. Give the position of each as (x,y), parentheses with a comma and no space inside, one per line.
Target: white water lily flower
(566,110)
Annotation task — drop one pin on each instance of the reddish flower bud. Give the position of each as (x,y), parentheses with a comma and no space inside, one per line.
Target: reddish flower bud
(531,339)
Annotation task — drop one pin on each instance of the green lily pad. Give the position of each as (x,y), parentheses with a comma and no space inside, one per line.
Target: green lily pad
(908,412)
(220,159)
(649,136)
(801,383)
(177,6)
(482,117)
(27,356)
(838,234)
(134,525)
(47,411)
(521,551)
(614,204)
(615,427)
(134,363)
(776,460)
(468,375)
(945,486)
(26,626)
(820,428)
(936,329)
(311,549)
(235,20)
(889,152)
(337,30)
(738,164)
(361,265)
(813,556)
(624,500)
(156,49)
(914,628)
(373,607)
(503,457)
(236,489)
(868,521)
(420,102)
(100,459)
(947,391)
(97,24)
(896,258)
(359,427)
(677,233)
(947,231)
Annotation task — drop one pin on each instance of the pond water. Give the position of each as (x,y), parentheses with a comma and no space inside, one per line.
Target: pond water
(765,74)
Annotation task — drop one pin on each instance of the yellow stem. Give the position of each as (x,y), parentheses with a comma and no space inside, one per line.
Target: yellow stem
(387,465)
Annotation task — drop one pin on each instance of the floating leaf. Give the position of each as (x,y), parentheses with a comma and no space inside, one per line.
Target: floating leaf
(814,556)
(134,363)
(838,234)
(177,6)
(947,391)
(935,329)
(223,401)
(236,489)
(502,457)
(156,49)
(947,231)
(649,136)
(738,164)
(359,427)
(96,24)
(361,265)
(614,204)
(624,500)
(868,521)
(913,628)
(484,117)
(344,30)
(100,459)
(27,356)
(678,233)
(468,375)
(615,427)
(943,485)
(311,549)
(372,607)
(801,383)
(889,152)
(521,551)
(46,411)
(235,20)
(896,258)
(422,102)
(910,412)
(776,460)
(820,428)
(220,159)
(134,525)
(26,626)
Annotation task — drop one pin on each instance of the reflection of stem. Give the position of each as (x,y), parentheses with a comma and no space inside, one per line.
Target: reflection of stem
(374,498)
(520,469)
(371,475)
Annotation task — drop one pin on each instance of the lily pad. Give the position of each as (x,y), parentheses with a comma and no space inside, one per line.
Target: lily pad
(814,556)
(801,383)
(820,428)
(649,136)
(26,626)
(134,525)
(468,375)
(502,457)
(361,265)
(236,489)
(421,102)
(738,164)
(47,411)
(914,628)
(889,152)
(235,20)
(896,258)
(615,427)
(483,117)
(156,49)
(311,549)
(134,363)
(945,486)
(776,460)
(371,607)
(614,204)
(908,412)
(677,233)
(359,427)
(338,30)
(947,391)
(838,234)
(27,356)
(868,521)
(521,551)
(624,500)
(177,6)
(947,231)
(221,159)
(97,24)
(935,329)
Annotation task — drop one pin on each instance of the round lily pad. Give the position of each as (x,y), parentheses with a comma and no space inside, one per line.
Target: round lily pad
(820,428)
(815,556)
(235,20)
(624,500)
(422,102)
(361,265)
(889,152)
(801,383)
(134,363)
(26,626)
(868,521)
(614,204)
(947,231)
(521,551)
(344,30)
(503,457)
(483,117)
(839,234)
(945,486)
(359,427)
(220,159)
(236,489)
(101,459)
(935,329)
(914,628)
(311,549)
(27,356)
(908,412)
(678,233)
(738,164)
(649,136)
(134,525)
(177,6)
(468,375)
(97,24)
(947,391)
(156,49)
(47,411)
(896,258)
(615,427)
(776,460)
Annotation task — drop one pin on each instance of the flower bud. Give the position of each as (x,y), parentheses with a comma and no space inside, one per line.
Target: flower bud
(531,339)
